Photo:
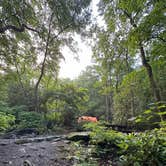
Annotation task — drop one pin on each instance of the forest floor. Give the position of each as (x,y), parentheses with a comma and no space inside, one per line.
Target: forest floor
(54,152)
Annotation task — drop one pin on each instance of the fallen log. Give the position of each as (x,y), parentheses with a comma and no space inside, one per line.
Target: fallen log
(38,139)
(79,136)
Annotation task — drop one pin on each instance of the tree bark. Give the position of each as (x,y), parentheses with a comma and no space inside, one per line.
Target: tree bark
(36,95)
(48,41)
(148,67)
(22,86)
(145,63)
(17,29)
(109,106)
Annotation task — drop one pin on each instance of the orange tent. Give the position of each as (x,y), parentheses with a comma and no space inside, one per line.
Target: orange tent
(87,119)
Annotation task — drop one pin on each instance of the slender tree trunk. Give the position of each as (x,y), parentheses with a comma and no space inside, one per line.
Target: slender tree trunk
(127,62)
(132,103)
(49,40)
(107,108)
(109,105)
(145,63)
(109,98)
(154,87)
(26,96)
(20,81)
(36,95)
(148,67)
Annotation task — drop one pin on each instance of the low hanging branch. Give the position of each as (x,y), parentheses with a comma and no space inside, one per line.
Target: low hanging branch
(17,29)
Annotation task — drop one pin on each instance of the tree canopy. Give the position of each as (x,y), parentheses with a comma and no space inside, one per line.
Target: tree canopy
(127,78)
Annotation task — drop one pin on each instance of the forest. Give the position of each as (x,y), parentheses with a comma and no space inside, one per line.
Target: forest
(124,88)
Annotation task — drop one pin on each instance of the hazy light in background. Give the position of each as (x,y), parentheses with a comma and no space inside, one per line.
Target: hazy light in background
(72,67)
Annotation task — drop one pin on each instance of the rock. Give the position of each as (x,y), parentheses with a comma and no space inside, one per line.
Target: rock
(78,136)
(67,142)
(27,131)
(27,163)
(7,162)
(37,139)
(9,136)
(22,150)
(23,141)
(34,148)
(28,156)
(42,147)
(57,139)
(14,157)
(3,143)
(22,156)
(41,156)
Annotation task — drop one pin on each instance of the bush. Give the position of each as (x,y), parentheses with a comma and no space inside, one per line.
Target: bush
(6,121)
(29,120)
(139,149)
(52,119)
(154,116)
(146,148)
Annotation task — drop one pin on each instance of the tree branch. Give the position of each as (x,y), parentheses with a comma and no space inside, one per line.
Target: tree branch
(17,29)
(130,18)
(61,31)
(160,38)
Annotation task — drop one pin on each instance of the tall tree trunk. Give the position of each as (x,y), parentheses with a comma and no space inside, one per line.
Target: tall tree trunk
(36,95)
(154,87)
(127,62)
(109,107)
(49,39)
(148,67)
(20,82)
(145,63)
(25,93)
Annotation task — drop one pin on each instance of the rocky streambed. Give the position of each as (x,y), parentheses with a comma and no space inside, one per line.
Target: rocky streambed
(37,151)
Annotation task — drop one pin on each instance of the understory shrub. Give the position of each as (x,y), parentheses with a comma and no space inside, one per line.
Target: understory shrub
(29,120)
(154,116)
(6,119)
(139,149)
(52,119)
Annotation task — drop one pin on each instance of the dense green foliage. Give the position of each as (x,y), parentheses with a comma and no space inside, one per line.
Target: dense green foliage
(88,79)
(147,148)
(5,121)
(6,118)
(125,86)
(32,35)
(60,107)
(134,95)
(130,53)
